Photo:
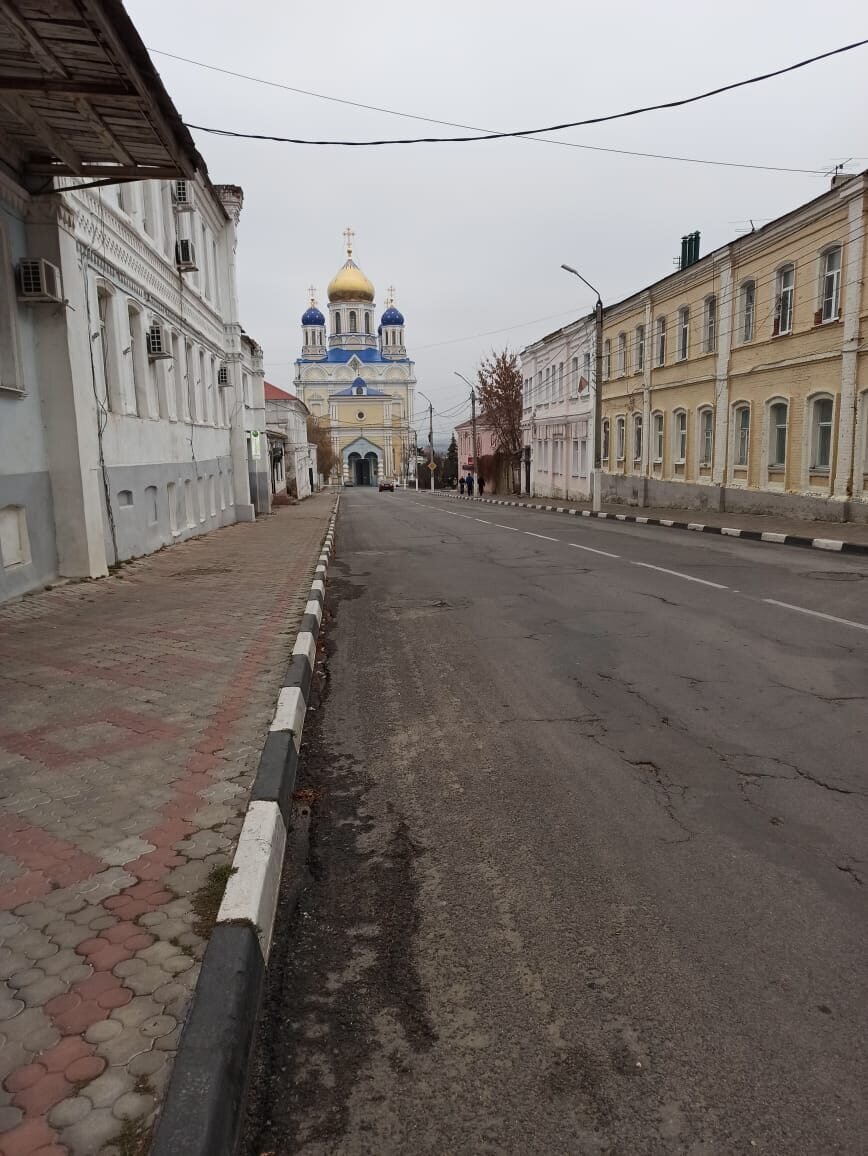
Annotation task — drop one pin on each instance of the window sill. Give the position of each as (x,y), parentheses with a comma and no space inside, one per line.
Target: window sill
(12,391)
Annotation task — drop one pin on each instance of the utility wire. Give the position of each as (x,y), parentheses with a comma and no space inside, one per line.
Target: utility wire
(532,132)
(476,129)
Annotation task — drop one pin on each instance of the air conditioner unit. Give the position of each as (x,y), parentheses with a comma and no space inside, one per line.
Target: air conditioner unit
(39,280)
(223,375)
(182,196)
(157,341)
(185,256)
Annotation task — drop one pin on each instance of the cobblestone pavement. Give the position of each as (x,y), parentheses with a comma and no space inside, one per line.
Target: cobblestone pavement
(133,712)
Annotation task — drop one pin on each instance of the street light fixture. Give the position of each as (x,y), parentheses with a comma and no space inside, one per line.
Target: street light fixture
(598,391)
(430,437)
(473,426)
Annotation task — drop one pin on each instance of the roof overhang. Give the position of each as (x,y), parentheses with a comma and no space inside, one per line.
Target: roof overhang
(79,96)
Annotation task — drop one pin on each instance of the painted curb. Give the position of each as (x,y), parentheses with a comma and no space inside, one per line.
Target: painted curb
(833,544)
(203,1108)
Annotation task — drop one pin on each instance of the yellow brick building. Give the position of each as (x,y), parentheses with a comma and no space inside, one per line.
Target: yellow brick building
(741,381)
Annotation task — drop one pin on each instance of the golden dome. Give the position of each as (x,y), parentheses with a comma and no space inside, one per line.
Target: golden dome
(350,284)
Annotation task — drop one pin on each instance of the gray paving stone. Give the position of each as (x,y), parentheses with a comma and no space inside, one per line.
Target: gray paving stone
(159,1025)
(75,973)
(69,904)
(153,919)
(133,1106)
(103,1031)
(67,934)
(177,964)
(10,1006)
(148,1063)
(33,1029)
(90,1136)
(110,1086)
(38,994)
(128,967)
(157,952)
(64,958)
(168,1043)
(14,1054)
(69,1111)
(135,1012)
(23,979)
(148,980)
(170,928)
(119,1051)
(9,1118)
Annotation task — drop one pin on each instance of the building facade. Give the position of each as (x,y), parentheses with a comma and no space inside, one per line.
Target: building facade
(293,457)
(739,382)
(557,414)
(355,374)
(122,424)
(253,398)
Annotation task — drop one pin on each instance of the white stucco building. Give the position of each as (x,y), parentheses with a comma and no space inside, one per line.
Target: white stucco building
(296,465)
(122,412)
(557,416)
(355,372)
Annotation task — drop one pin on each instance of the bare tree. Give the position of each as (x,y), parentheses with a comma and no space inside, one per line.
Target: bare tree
(319,433)
(500,399)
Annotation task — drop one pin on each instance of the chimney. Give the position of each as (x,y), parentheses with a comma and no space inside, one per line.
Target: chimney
(693,248)
(684,258)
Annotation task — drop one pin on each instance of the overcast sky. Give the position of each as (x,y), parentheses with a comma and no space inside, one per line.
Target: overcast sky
(472,235)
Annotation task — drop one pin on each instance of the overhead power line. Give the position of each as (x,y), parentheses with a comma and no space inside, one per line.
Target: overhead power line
(535,139)
(534,132)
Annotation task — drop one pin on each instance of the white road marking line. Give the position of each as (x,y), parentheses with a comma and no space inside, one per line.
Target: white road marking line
(501,526)
(678,574)
(485,520)
(591,550)
(531,534)
(816,613)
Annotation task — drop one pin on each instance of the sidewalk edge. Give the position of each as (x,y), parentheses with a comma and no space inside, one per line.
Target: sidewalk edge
(835,545)
(202,1109)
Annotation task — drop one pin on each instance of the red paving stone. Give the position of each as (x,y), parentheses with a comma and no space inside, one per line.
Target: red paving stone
(154,680)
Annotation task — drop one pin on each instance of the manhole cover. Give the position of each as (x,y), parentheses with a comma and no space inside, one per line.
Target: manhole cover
(835,575)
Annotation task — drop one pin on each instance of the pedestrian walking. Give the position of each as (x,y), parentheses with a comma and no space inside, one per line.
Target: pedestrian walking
(481,485)
(470,485)
(461,486)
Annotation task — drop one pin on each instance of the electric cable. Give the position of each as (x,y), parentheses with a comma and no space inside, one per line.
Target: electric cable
(681,102)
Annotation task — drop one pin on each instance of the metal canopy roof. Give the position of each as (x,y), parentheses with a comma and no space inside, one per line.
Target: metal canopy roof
(79,96)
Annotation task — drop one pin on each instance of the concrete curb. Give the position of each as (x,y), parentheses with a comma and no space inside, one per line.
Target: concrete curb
(832,544)
(202,1111)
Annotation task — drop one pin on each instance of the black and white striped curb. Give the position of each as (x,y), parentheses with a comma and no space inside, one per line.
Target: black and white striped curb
(202,1112)
(833,544)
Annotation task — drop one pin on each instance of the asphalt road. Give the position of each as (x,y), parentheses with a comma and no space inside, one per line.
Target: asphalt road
(589,864)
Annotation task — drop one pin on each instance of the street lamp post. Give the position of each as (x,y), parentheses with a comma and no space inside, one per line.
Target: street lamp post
(473,429)
(598,391)
(430,437)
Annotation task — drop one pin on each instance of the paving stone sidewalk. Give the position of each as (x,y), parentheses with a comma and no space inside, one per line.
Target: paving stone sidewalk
(133,712)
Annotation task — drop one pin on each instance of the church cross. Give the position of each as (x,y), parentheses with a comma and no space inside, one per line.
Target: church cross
(312,291)
(390,299)
(348,238)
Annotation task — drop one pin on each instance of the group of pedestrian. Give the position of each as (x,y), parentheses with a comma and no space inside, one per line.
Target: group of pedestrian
(466,484)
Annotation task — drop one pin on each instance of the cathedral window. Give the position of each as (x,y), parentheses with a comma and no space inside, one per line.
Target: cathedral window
(337,323)
(367,322)
(354,321)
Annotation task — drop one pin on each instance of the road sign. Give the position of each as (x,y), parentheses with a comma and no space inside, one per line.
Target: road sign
(432,466)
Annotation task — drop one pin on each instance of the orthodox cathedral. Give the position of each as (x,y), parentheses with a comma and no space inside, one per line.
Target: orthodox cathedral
(358,376)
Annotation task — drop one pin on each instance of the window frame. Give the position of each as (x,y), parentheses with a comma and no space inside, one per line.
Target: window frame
(815,466)
(709,329)
(739,428)
(705,436)
(660,341)
(748,285)
(622,354)
(824,275)
(790,290)
(640,348)
(637,438)
(658,433)
(607,359)
(605,447)
(679,436)
(775,461)
(620,438)
(682,348)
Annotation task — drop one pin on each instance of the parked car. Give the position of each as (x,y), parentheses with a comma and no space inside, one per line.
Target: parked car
(387,484)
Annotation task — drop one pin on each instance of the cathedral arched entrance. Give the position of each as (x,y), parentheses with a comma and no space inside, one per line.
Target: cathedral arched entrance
(362,463)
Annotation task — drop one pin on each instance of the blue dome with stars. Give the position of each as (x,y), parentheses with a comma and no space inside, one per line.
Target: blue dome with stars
(392,316)
(312,316)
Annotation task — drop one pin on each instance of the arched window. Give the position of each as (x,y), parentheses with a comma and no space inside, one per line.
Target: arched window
(354,321)
(778,412)
(822,420)
(337,323)
(683,333)
(622,353)
(637,438)
(741,434)
(657,427)
(710,341)
(620,437)
(605,445)
(679,437)
(706,435)
(367,322)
